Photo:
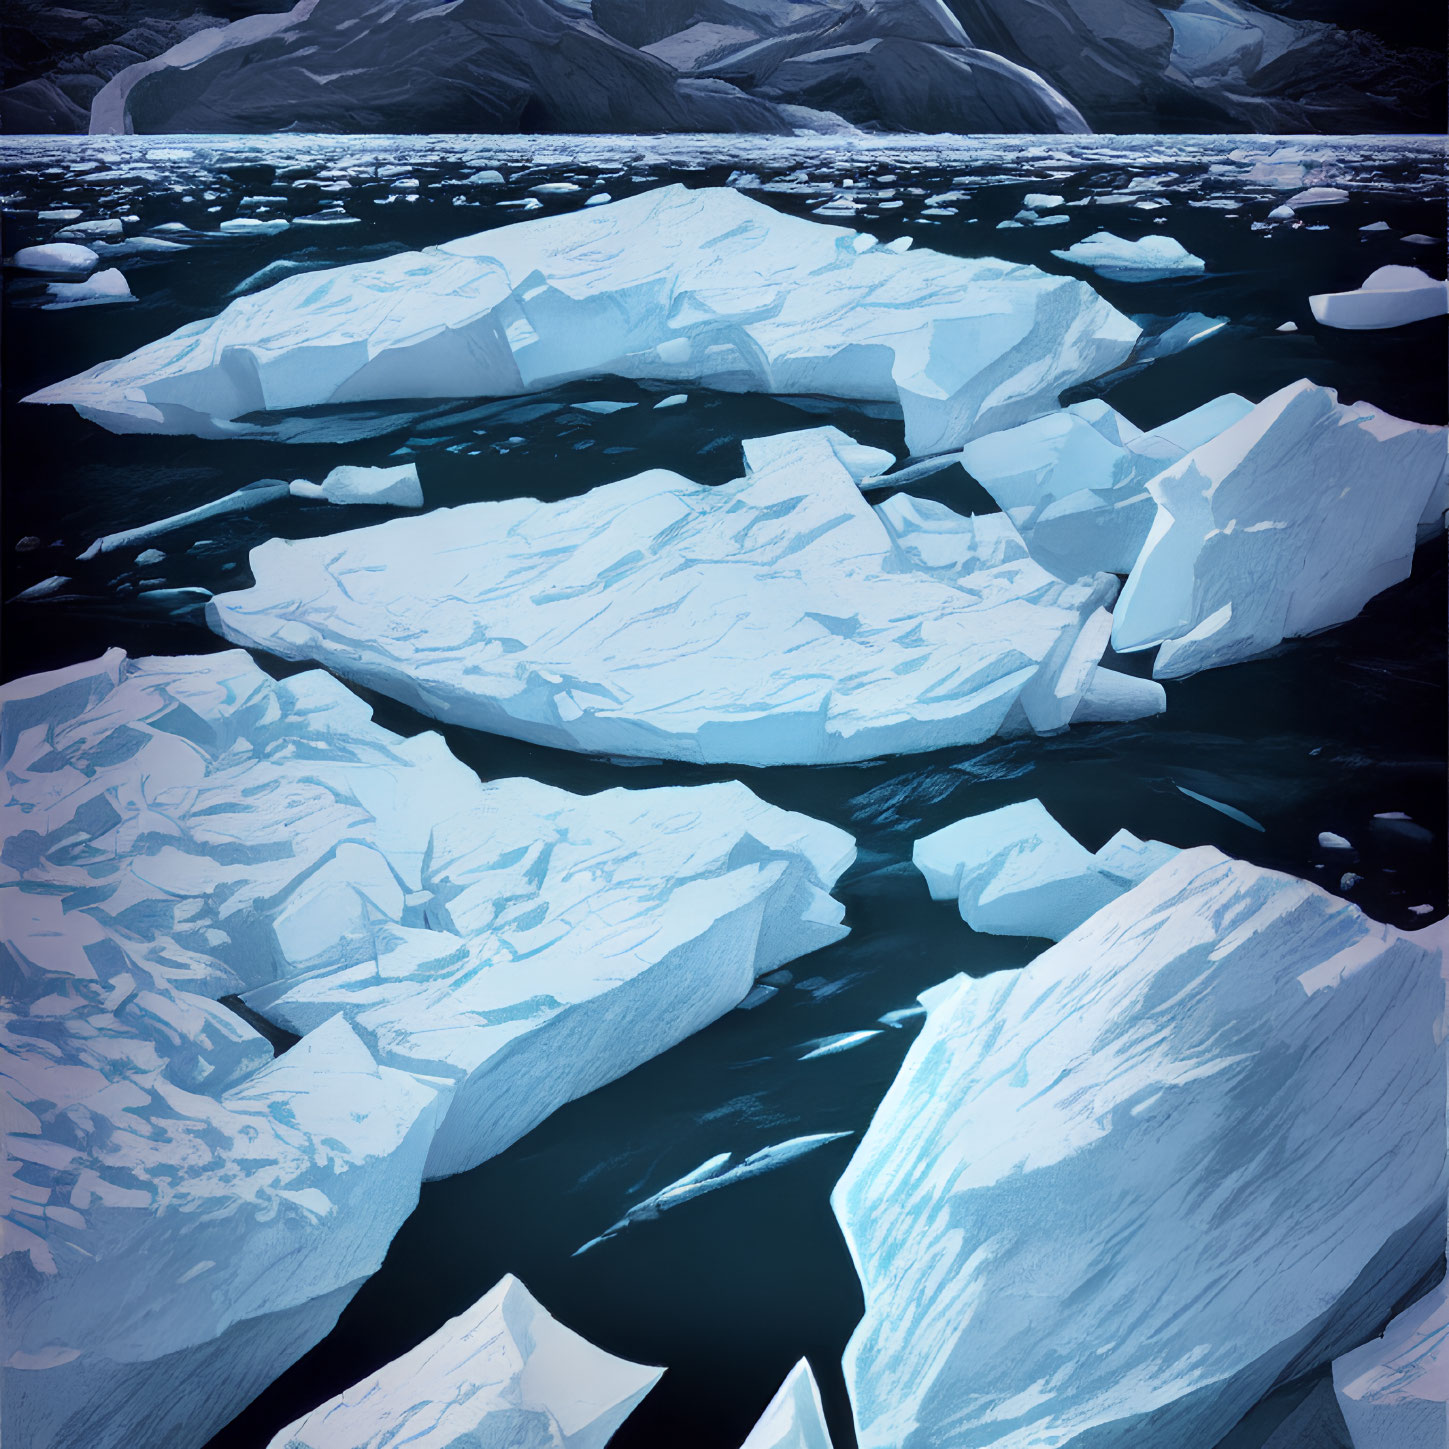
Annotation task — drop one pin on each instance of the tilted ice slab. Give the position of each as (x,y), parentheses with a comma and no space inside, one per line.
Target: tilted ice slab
(704,286)
(1016,872)
(1390,297)
(1287,522)
(777,619)
(1149,259)
(462,958)
(1194,1150)
(1394,1390)
(795,1417)
(1075,482)
(505,1373)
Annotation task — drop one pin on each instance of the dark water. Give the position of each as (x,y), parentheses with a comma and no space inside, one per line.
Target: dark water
(730,1290)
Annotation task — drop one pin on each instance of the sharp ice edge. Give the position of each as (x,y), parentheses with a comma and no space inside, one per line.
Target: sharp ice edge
(794,1418)
(1016,872)
(1224,1094)
(503,1372)
(705,286)
(460,958)
(775,619)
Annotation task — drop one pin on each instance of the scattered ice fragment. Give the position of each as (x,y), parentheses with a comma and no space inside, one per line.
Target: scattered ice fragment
(1282,213)
(1285,523)
(707,286)
(1348,880)
(672,401)
(53,585)
(1418,239)
(99,289)
(599,198)
(505,1372)
(603,407)
(253,226)
(149,556)
(254,495)
(842,1043)
(1422,910)
(901,1015)
(554,188)
(1202,1137)
(1376,226)
(1016,872)
(59,259)
(1391,297)
(830,635)
(1229,810)
(795,1417)
(1318,196)
(1039,201)
(1149,259)
(397,487)
(1328,840)
(1286,327)
(109,227)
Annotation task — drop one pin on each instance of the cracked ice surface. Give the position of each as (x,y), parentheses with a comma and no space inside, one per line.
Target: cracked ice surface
(1203,1137)
(184,829)
(776,619)
(505,1372)
(704,286)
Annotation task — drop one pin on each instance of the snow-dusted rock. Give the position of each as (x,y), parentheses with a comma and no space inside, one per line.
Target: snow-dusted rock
(1149,259)
(99,289)
(505,1372)
(396,487)
(703,286)
(795,1417)
(1075,482)
(1390,297)
(1194,1150)
(1289,521)
(1016,872)
(184,830)
(770,620)
(1394,1390)
(58,259)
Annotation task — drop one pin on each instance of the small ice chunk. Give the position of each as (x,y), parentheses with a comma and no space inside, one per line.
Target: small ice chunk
(1390,297)
(1286,327)
(1376,226)
(1282,213)
(107,227)
(149,556)
(603,407)
(1329,840)
(1318,196)
(396,487)
(672,401)
(1040,201)
(59,259)
(98,289)
(1150,259)
(253,226)
(252,496)
(53,585)
(794,1418)
(832,1045)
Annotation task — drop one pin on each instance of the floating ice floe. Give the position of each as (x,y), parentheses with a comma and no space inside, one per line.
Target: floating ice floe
(704,286)
(1394,1390)
(795,1417)
(1074,483)
(504,1373)
(99,289)
(254,495)
(1150,259)
(59,259)
(395,487)
(1317,196)
(186,830)
(1194,1151)
(1288,522)
(776,619)
(1016,872)
(1391,297)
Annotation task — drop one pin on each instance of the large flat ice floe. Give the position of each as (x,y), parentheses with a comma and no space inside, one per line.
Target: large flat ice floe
(460,959)
(777,619)
(1288,522)
(504,1373)
(704,286)
(1194,1150)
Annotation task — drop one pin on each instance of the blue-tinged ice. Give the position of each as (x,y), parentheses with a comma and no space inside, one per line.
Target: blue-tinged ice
(1194,1151)
(1016,872)
(1390,297)
(776,619)
(393,487)
(1149,259)
(706,286)
(69,260)
(843,1042)
(794,1418)
(503,1373)
(458,958)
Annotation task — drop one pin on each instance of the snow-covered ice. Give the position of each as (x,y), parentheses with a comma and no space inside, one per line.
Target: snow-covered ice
(1390,297)
(58,259)
(1149,259)
(706,286)
(503,1373)
(254,495)
(1075,482)
(1394,1390)
(1016,872)
(396,487)
(98,289)
(182,830)
(794,1418)
(1193,1151)
(1288,522)
(775,619)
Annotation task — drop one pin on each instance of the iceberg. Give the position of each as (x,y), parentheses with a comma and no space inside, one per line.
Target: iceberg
(505,1372)
(1394,1390)
(776,619)
(1288,522)
(1149,259)
(794,1418)
(1192,1152)
(707,287)
(1016,872)
(457,958)
(1074,483)
(1390,297)
(395,487)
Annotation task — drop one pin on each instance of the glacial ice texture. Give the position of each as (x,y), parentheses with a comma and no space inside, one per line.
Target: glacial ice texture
(705,286)
(1202,1139)
(776,619)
